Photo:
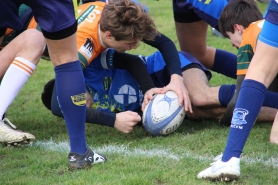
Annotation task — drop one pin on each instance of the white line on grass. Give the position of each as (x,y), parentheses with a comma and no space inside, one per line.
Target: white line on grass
(163,153)
(116,149)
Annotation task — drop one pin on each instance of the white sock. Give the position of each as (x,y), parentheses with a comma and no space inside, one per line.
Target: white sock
(14,79)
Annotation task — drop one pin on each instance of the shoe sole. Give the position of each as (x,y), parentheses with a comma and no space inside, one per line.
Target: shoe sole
(223,177)
(76,167)
(19,143)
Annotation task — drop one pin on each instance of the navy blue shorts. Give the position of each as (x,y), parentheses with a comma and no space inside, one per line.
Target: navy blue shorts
(188,11)
(158,70)
(51,15)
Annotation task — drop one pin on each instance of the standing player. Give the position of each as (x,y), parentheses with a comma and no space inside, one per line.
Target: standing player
(261,72)
(192,18)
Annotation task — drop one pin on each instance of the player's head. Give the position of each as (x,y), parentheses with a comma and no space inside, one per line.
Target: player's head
(46,95)
(238,15)
(124,24)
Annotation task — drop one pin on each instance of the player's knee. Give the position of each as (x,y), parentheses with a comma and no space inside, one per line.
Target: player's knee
(34,40)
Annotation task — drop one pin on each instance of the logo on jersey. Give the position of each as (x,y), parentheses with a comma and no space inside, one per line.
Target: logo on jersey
(87,49)
(126,95)
(205,1)
(79,99)
(239,117)
(89,14)
(106,83)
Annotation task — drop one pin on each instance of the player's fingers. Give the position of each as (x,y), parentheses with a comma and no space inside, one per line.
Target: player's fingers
(165,89)
(181,97)
(130,129)
(156,90)
(132,113)
(146,100)
(136,119)
(143,105)
(187,104)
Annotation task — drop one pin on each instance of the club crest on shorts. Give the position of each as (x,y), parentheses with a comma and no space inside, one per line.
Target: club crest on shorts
(79,99)
(239,116)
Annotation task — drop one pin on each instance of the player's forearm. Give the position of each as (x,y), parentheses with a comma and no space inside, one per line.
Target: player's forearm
(134,65)
(101,118)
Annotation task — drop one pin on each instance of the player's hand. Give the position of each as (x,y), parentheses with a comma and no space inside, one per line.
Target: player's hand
(149,96)
(126,120)
(176,84)
(89,99)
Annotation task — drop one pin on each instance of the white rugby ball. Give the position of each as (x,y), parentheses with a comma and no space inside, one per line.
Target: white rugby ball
(163,115)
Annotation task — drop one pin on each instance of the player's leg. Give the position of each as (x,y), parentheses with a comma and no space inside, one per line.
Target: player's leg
(20,57)
(18,60)
(191,26)
(274,131)
(261,72)
(215,59)
(200,93)
(197,32)
(70,84)
(214,113)
(203,97)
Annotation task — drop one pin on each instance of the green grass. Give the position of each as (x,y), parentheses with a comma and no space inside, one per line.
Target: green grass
(135,158)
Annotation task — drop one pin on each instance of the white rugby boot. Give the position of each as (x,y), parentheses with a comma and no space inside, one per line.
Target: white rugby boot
(11,137)
(222,171)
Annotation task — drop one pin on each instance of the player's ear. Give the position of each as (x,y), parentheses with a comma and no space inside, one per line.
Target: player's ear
(108,34)
(239,28)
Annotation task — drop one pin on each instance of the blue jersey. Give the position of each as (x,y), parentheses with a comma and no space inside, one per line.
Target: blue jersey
(115,90)
(112,90)
(186,11)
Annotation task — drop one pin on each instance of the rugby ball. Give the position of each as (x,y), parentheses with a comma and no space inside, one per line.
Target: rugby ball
(163,115)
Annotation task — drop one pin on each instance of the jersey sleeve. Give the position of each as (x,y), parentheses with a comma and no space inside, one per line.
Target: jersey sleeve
(247,46)
(169,52)
(244,57)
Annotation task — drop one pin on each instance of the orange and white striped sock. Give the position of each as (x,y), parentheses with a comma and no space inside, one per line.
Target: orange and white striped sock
(15,77)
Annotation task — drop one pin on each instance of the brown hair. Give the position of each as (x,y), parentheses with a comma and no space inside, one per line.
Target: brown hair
(127,20)
(242,12)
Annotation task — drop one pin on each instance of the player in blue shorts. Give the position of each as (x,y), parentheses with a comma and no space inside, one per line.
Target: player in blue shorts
(115,91)
(261,72)
(192,18)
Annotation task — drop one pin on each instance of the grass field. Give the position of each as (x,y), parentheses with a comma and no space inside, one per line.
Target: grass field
(136,158)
